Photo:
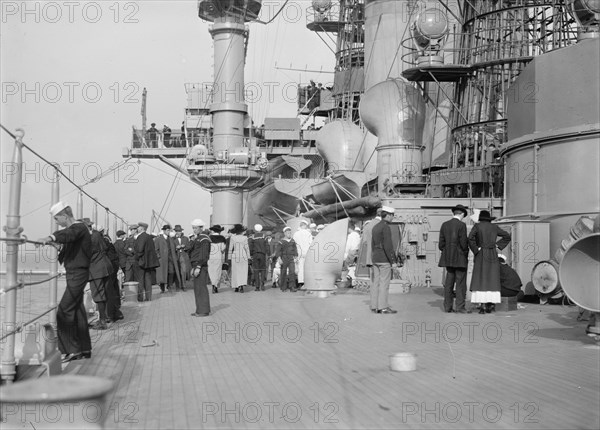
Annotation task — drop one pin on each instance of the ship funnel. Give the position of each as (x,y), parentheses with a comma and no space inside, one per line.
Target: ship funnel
(323,264)
(579,272)
(394,111)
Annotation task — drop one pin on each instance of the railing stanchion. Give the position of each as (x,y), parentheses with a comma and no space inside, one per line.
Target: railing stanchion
(53,254)
(95,213)
(114,229)
(106,221)
(8,368)
(79,213)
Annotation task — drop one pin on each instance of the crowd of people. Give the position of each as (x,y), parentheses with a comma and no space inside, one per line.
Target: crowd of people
(249,259)
(169,259)
(154,137)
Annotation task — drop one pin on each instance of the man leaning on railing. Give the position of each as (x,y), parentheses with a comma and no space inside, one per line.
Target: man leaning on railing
(73,333)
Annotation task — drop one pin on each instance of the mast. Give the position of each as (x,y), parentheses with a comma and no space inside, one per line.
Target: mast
(227,164)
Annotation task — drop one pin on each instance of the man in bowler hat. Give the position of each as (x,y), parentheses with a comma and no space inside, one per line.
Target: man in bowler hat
(455,251)
(147,262)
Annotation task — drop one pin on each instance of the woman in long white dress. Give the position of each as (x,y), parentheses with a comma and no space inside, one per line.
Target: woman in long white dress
(215,262)
(239,253)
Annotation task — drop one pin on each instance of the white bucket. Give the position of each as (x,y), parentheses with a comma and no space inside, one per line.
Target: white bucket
(403,362)
(130,290)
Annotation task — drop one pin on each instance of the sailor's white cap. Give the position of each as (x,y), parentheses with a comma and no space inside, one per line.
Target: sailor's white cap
(258,227)
(303,221)
(313,225)
(286,228)
(57,208)
(502,256)
(387,209)
(198,223)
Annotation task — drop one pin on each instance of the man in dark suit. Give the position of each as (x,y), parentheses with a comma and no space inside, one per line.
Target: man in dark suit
(147,262)
(100,272)
(167,273)
(73,333)
(183,259)
(122,252)
(455,251)
(384,260)
(131,262)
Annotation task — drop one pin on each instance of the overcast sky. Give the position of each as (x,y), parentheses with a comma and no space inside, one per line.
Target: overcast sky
(72,76)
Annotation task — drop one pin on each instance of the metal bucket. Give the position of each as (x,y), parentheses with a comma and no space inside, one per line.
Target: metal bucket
(403,362)
(544,276)
(130,290)
(580,272)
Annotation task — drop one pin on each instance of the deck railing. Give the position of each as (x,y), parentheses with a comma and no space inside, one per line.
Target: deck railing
(12,284)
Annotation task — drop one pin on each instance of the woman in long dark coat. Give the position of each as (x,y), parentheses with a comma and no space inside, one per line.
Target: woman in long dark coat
(485,282)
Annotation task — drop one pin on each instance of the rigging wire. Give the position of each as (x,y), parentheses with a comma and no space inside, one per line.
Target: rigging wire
(62,174)
(274,16)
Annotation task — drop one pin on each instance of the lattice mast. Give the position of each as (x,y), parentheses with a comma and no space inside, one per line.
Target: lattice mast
(345,20)
(497,41)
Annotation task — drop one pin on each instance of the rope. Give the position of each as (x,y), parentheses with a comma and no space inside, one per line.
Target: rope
(274,16)
(21,326)
(27,284)
(338,196)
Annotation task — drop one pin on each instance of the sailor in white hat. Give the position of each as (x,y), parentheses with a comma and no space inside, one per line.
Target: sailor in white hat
(287,258)
(259,250)
(73,334)
(198,223)
(303,238)
(199,251)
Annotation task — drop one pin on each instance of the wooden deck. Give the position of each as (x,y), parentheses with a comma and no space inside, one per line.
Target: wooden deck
(284,360)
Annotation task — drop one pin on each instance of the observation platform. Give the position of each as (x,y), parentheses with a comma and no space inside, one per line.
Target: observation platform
(288,360)
(441,73)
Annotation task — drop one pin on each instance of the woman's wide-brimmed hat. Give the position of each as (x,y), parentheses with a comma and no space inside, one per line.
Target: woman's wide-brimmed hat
(485,216)
(237,229)
(217,228)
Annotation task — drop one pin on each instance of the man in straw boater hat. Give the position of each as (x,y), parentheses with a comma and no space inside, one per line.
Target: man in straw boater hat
(72,325)
(384,260)
(199,251)
(455,252)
